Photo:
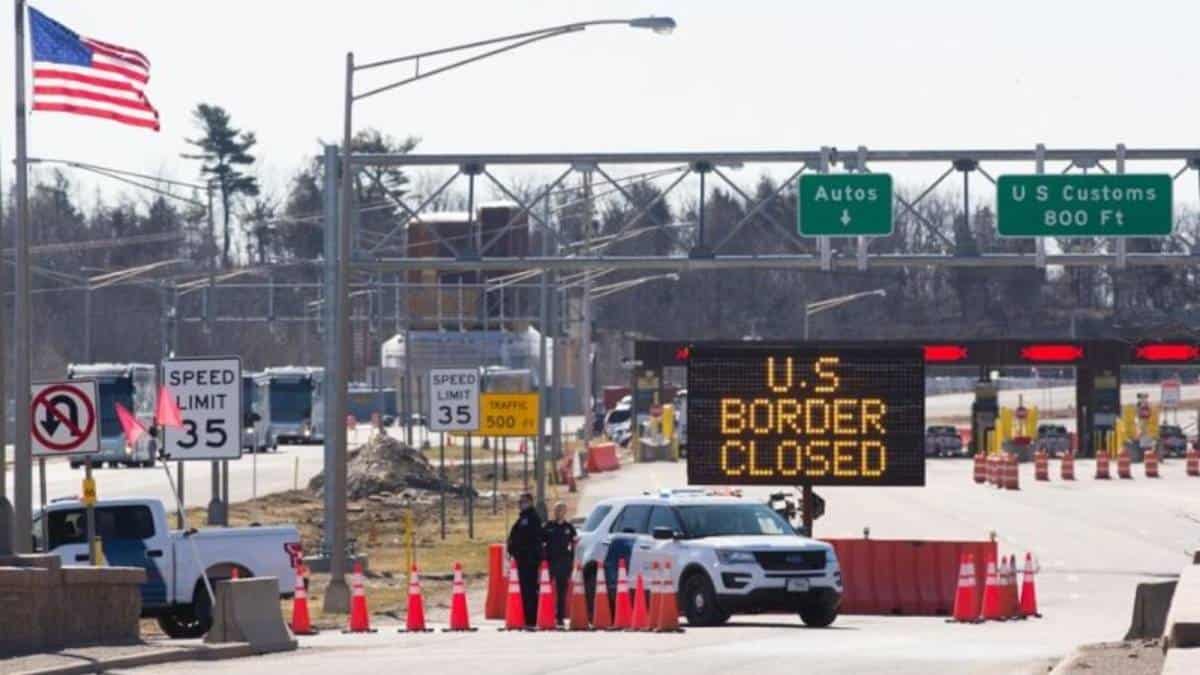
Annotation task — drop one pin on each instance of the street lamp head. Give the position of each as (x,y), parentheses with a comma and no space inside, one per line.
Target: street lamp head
(663,25)
(672,277)
(882,292)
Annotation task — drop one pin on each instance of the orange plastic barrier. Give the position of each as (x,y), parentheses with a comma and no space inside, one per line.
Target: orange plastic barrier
(603,457)
(493,607)
(906,577)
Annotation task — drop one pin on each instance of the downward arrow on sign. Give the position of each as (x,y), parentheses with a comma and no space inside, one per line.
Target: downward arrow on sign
(845,217)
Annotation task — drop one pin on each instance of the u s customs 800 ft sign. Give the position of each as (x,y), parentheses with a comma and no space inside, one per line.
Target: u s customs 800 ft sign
(790,414)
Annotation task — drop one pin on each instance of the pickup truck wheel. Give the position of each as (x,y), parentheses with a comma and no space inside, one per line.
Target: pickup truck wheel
(700,602)
(818,615)
(183,624)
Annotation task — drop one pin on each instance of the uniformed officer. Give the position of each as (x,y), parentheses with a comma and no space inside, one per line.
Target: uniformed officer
(525,545)
(560,551)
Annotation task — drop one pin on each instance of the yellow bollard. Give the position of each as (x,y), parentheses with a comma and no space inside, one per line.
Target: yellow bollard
(98,552)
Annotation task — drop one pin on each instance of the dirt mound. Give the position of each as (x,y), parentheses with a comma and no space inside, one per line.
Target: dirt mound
(385,465)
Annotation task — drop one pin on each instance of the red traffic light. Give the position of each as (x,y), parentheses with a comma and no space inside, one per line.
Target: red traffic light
(945,353)
(683,353)
(1167,352)
(1052,353)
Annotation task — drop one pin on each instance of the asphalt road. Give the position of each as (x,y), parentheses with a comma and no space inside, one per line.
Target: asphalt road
(1095,541)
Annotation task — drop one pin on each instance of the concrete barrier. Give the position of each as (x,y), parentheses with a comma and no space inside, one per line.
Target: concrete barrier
(47,606)
(1182,662)
(248,611)
(1183,621)
(1151,603)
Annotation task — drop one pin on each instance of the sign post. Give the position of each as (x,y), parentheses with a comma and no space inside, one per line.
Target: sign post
(1078,205)
(454,406)
(63,421)
(845,205)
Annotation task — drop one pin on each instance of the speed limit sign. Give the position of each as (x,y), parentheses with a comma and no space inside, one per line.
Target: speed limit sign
(208,392)
(454,399)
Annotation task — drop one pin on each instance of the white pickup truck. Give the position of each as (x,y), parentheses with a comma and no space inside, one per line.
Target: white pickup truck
(134,533)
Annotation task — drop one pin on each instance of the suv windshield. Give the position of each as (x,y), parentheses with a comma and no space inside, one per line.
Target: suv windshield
(618,416)
(717,520)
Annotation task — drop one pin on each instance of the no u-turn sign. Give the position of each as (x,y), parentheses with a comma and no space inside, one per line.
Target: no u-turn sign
(62,418)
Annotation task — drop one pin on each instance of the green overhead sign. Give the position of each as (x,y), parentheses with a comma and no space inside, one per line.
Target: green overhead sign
(845,205)
(1105,205)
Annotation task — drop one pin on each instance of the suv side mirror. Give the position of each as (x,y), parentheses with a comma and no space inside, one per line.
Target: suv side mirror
(664,533)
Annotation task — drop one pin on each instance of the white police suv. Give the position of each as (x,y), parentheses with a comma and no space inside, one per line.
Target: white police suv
(728,555)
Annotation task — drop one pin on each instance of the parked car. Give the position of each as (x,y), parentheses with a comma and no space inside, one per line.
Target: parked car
(943,441)
(1053,440)
(1172,442)
(134,533)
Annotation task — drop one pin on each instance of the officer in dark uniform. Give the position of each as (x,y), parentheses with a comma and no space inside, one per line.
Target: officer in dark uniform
(525,545)
(560,551)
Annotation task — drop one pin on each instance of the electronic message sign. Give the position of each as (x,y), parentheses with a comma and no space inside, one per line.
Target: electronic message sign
(795,414)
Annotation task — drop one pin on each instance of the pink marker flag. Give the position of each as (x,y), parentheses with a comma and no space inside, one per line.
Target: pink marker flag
(130,425)
(166,412)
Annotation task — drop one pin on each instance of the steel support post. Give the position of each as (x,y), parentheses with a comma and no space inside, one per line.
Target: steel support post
(1122,248)
(585,310)
(1039,167)
(337,355)
(21,322)
(539,469)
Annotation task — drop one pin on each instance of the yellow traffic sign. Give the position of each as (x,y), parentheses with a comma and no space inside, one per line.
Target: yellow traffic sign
(508,414)
(89,491)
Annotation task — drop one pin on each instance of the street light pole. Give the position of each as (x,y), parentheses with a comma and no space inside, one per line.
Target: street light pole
(337,595)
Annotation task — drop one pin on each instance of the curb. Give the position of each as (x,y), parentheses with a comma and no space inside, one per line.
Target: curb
(233,650)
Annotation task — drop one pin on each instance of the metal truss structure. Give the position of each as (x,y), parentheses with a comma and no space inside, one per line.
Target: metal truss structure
(718,168)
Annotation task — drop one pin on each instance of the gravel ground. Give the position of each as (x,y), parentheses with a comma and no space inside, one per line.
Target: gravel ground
(1143,657)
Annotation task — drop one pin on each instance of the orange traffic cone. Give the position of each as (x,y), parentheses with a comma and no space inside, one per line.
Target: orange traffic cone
(624,615)
(360,621)
(460,618)
(668,606)
(545,613)
(578,610)
(1029,605)
(301,622)
(641,619)
(655,595)
(992,610)
(601,614)
(964,597)
(514,615)
(415,622)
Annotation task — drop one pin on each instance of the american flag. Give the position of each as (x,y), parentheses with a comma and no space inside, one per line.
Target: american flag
(83,76)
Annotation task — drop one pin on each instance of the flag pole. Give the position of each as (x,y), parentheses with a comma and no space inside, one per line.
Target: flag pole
(23,469)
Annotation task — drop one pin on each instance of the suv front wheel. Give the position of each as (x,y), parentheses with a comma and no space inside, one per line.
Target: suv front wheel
(700,602)
(818,614)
